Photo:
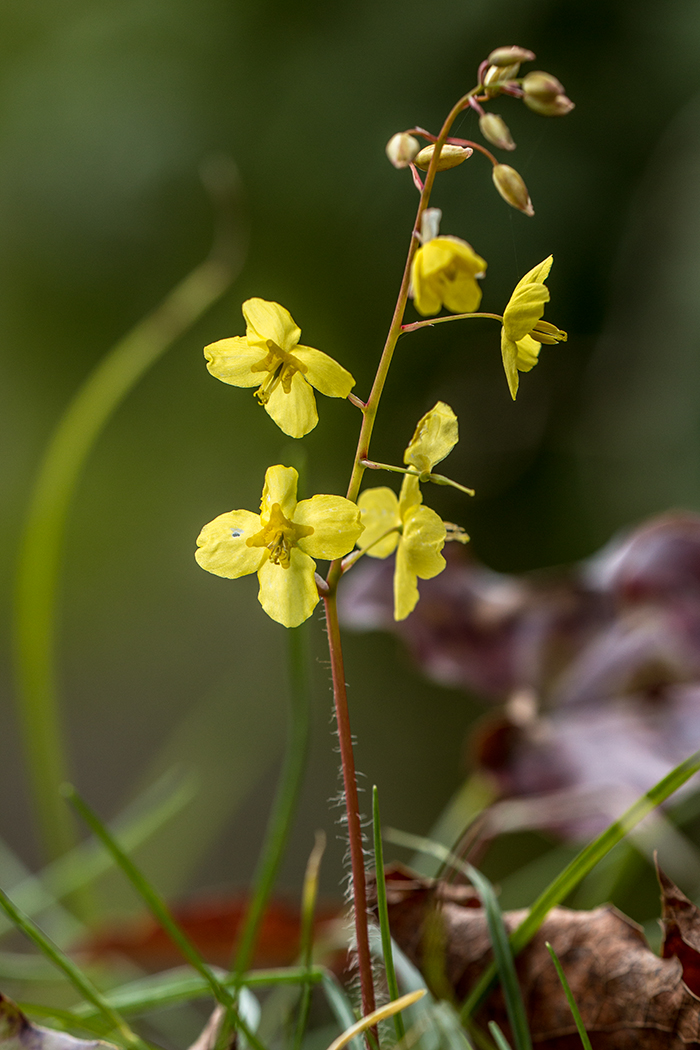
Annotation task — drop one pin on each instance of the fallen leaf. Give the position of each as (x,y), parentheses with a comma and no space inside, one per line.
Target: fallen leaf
(211,923)
(18,1033)
(628,997)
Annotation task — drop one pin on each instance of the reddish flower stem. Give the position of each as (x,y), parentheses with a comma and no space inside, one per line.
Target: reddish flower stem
(352,803)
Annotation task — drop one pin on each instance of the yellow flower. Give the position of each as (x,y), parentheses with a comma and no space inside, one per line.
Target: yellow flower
(523,332)
(444,272)
(271,358)
(435,436)
(416,533)
(280,544)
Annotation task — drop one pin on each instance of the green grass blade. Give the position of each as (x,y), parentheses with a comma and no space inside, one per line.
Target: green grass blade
(86,862)
(286,798)
(498,1036)
(42,541)
(341,1007)
(181,986)
(579,867)
(583,1034)
(159,910)
(308,909)
(503,958)
(392,983)
(74,974)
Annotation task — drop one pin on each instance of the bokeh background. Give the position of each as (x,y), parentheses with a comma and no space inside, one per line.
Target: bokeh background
(107,109)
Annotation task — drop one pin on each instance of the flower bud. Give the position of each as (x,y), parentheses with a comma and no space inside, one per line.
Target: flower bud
(512,188)
(495,130)
(542,86)
(430,224)
(507,56)
(401,149)
(544,94)
(450,156)
(496,77)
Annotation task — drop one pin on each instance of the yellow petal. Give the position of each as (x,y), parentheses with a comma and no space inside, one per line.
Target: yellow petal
(444,271)
(379,512)
(289,595)
(462,294)
(528,353)
(435,436)
(509,353)
(324,373)
(526,304)
(405,586)
(425,297)
(336,524)
(222,545)
(280,488)
(294,412)
(538,274)
(423,538)
(410,494)
(267,320)
(231,361)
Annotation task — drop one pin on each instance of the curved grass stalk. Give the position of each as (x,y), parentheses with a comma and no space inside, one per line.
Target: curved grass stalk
(42,541)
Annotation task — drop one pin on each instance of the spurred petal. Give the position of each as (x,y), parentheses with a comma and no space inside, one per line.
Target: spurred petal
(528,353)
(294,412)
(538,274)
(324,373)
(281,488)
(222,544)
(462,294)
(435,436)
(405,586)
(509,353)
(268,320)
(379,510)
(289,595)
(336,524)
(423,539)
(410,494)
(231,361)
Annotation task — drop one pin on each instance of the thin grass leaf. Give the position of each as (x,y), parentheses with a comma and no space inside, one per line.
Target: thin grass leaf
(43,537)
(341,1006)
(498,1036)
(372,1019)
(583,1034)
(74,974)
(182,986)
(503,958)
(579,867)
(159,910)
(306,940)
(383,912)
(86,862)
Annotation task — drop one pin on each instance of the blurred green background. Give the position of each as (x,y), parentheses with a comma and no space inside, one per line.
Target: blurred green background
(106,111)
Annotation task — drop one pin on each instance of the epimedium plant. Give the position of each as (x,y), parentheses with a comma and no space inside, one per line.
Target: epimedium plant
(282,542)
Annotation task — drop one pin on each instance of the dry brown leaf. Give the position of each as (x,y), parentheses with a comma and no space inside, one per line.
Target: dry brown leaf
(628,997)
(18,1033)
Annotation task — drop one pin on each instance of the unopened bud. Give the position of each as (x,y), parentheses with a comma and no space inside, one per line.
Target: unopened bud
(430,224)
(450,156)
(401,149)
(558,107)
(544,94)
(542,86)
(496,77)
(507,56)
(495,130)
(512,188)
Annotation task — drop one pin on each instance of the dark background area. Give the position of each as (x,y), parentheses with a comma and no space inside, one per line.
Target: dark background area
(106,111)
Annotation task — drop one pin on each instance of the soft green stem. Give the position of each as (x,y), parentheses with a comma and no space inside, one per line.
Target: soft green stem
(352,806)
(383,912)
(287,797)
(415,325)
(306,940)
(42,543)
(74,974)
